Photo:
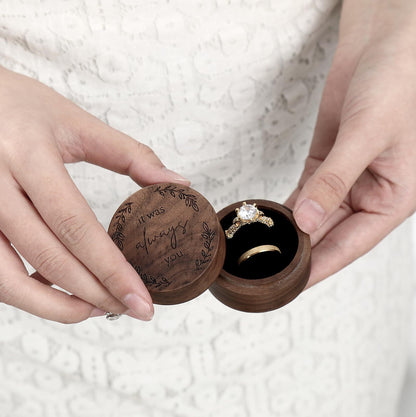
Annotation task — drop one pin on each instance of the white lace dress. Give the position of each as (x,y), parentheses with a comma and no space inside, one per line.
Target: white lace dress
(226,93)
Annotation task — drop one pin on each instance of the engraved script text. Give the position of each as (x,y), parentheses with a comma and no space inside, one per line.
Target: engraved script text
(169,233)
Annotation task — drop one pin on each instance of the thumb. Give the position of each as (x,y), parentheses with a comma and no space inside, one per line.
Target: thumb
(325,190)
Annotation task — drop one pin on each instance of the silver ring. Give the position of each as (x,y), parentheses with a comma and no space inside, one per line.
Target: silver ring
(112,316)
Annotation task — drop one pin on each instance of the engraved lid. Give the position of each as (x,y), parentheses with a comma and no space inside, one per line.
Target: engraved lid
(172,237)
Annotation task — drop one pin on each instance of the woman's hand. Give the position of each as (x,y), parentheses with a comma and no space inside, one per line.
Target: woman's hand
(359,180)
(43,215)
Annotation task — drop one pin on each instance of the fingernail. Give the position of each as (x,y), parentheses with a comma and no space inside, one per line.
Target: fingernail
(139,308)
(309,216)
(95,312)
(175,177)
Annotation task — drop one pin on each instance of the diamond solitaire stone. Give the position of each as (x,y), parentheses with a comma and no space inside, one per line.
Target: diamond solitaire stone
(247,212)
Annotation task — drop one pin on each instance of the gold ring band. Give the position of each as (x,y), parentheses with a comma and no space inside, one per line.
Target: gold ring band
(257,250)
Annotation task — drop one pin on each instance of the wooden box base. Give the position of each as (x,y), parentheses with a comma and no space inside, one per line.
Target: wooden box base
(267,280)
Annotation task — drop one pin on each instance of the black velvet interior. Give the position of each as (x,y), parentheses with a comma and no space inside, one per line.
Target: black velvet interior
(261,265)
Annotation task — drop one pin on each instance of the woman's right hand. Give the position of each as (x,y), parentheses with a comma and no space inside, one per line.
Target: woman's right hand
(44,216)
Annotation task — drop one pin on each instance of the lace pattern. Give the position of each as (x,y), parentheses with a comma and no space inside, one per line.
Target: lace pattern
(226,92)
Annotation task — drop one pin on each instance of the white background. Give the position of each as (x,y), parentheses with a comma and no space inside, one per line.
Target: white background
(408,401)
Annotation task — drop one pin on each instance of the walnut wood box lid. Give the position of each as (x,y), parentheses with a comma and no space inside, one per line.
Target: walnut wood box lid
(171,235)
(174,239)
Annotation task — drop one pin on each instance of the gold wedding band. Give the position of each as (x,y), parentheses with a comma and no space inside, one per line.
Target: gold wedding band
(246,214)
(258,249)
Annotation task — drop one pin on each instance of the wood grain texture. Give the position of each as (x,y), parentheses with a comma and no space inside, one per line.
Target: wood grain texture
(253,294)
(172,237)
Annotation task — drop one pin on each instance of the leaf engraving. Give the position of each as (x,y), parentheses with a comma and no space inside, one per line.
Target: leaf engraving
(158,281)
(172,190)
(118,236)
(208,235)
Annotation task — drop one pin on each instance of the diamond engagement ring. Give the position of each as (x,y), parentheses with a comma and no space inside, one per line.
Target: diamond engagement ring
(246,214)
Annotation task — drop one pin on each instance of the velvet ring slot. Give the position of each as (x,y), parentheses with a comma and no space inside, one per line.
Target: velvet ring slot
(282,234)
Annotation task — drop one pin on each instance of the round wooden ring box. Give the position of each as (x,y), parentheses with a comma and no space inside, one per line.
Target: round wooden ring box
(175,241)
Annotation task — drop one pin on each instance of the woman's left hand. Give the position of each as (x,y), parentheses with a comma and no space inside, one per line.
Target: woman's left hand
(359,180)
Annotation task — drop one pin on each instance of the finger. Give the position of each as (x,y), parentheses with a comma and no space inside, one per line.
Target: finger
(40,247)
(28,294)
(311,164)
(354,149)
(112,149)
(68,215)
(348,241)
(328,120)
(327,123)
(332,102)
(338,216)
